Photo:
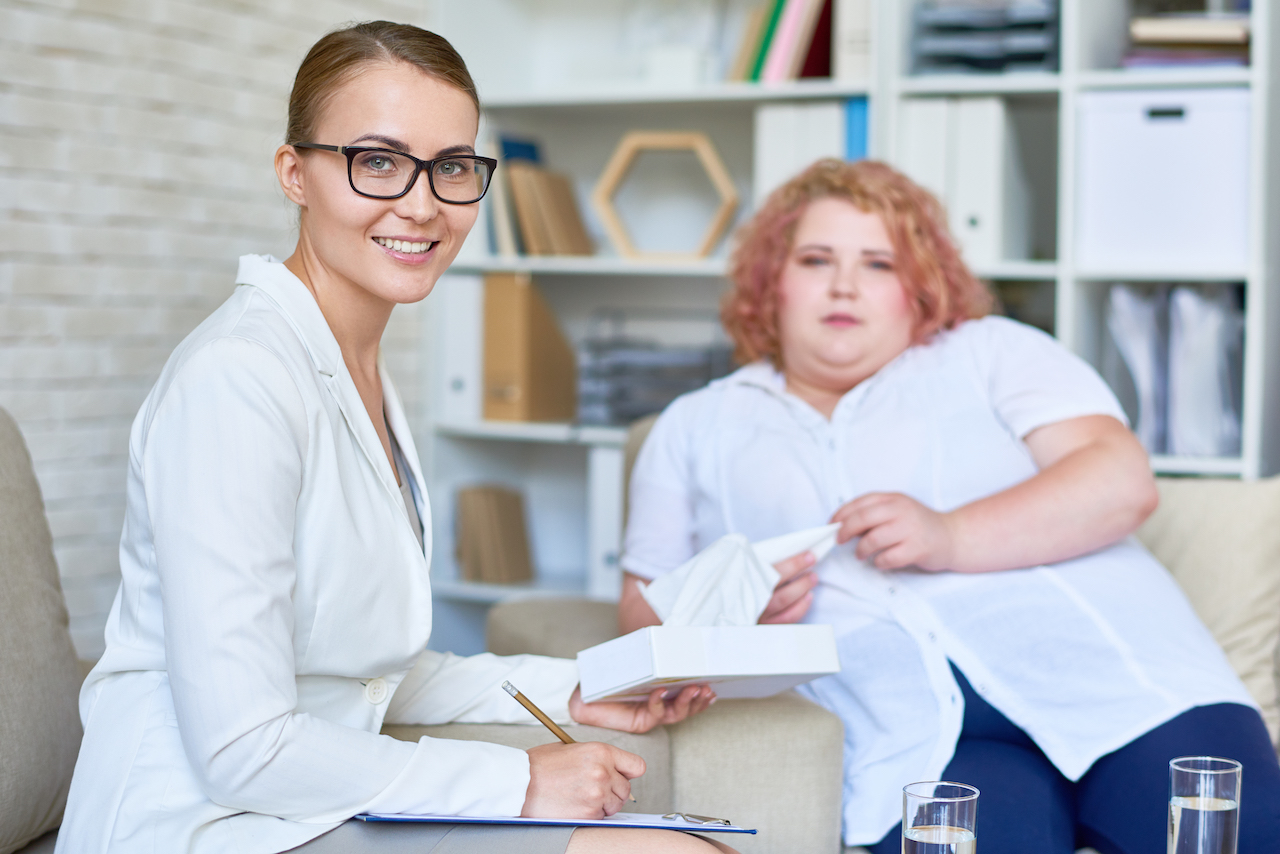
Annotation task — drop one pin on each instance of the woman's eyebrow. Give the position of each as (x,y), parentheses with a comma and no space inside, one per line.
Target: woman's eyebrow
(887,253)
(388,141)
(455,149)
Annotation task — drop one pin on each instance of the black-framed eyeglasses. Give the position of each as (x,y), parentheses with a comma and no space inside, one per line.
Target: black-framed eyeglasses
(380,173)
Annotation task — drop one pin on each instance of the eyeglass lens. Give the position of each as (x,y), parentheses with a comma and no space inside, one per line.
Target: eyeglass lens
(386,174)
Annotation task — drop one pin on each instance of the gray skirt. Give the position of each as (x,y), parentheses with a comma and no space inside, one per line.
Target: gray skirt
(382,837)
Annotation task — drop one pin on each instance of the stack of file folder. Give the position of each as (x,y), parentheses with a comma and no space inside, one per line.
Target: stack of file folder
(622,379)
(978,35)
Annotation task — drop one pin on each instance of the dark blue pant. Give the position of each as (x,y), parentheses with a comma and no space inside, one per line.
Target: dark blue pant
(1121,805)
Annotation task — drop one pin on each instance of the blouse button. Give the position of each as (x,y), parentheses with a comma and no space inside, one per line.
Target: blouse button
(375,691)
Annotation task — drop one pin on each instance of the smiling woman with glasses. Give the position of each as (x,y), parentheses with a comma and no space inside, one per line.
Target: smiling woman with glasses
(275,603)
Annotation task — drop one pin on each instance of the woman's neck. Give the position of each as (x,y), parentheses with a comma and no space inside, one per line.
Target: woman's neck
(356,317)
(822,396)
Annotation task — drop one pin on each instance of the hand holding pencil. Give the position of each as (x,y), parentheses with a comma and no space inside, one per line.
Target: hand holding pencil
(592,780)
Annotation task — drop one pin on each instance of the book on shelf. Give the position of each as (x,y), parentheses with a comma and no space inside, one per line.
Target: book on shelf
(816,61)
(776,9)
(492,538)
(792,40)
(752,34)
(502,231)
(1194,28)
(529,369)
(851,40)
(546,211)
(785,40)
(1188,40)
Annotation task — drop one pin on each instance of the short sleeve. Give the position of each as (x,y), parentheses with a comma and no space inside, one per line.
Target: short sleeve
(660,521)
(1033,380)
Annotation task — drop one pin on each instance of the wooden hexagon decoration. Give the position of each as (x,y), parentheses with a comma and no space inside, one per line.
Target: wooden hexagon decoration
(620,163)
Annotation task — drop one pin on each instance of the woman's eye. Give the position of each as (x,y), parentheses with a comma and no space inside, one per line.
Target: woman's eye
(378,163)
(880,265)
(453,168)
(812,260)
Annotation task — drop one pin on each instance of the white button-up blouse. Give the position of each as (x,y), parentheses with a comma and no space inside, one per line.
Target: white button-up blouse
(1084,655)
(274,610)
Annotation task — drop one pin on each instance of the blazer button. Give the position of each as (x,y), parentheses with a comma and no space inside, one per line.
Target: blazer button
(375,690)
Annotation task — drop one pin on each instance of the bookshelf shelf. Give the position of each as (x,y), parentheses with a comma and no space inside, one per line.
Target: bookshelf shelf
(1222,466)
(1027,83)
(1018,270)
(745,93)
(1164,78)
(1158,275)
(515,431)
(475,591)
(591,265)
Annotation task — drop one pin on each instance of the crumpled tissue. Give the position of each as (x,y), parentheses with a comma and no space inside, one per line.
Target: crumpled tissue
(729,583)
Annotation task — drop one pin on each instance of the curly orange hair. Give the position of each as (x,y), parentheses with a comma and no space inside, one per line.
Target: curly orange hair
(942,290)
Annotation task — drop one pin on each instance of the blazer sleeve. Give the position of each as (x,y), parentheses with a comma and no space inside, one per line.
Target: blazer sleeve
(222,467)
(445,688)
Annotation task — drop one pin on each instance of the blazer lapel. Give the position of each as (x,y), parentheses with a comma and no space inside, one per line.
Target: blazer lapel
(301,311)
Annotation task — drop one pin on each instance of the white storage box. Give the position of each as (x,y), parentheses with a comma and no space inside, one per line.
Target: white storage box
(1163,182)
(738,661)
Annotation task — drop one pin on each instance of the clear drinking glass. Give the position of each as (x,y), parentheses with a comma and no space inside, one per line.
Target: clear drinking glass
(939,818)
(1204,805)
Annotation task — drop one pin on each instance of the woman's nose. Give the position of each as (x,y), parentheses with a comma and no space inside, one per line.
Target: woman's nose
(844,282)
(419,204)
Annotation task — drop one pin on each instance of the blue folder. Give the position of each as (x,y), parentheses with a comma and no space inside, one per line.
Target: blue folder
(622,819)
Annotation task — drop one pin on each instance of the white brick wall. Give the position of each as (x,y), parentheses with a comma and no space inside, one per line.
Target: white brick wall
(136,139)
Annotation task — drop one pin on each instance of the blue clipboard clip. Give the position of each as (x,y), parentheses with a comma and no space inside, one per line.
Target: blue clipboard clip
(697,819)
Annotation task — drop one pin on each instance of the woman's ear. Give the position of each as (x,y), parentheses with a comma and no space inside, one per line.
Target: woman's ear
(289,172)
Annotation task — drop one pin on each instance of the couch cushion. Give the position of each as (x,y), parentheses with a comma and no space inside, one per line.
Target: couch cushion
(39,718)
(1221,541)
(559,627)
(652,791)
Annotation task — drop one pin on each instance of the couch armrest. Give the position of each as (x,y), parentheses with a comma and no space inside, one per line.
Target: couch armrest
(773,764)
(652,791)
(559,627)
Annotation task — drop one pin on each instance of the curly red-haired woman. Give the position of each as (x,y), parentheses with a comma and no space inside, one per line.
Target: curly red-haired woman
(994,623)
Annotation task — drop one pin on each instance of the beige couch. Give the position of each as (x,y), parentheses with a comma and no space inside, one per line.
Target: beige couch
(773,764)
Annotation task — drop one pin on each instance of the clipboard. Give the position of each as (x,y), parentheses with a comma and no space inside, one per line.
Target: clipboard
(670,821)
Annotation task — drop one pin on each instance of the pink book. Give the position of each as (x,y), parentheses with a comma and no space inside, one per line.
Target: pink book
(778,62)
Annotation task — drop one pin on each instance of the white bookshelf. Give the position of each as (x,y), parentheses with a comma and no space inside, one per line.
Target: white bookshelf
(1094,35)
(572,476)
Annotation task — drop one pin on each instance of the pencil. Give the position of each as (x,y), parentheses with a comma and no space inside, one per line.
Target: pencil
(542,717)
(538,713)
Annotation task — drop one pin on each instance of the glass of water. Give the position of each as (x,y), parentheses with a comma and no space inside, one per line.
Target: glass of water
(1204,805)
(939,818)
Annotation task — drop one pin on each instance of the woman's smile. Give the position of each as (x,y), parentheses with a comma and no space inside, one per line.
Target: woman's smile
(408,250)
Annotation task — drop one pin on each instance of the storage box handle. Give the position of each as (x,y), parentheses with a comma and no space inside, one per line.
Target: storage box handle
(1166,113)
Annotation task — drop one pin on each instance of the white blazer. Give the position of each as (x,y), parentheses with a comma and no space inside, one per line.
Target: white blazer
(274,609)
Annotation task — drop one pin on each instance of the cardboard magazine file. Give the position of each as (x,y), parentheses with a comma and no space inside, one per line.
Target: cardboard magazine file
(492,540)
(530,370)
(738,661)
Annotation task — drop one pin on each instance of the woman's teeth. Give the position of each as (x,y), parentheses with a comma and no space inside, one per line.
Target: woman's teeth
(408,247)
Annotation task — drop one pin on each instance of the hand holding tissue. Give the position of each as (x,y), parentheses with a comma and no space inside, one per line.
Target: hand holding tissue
(709,608)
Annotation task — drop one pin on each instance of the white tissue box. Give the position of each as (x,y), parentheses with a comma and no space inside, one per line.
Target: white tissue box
(738,661)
